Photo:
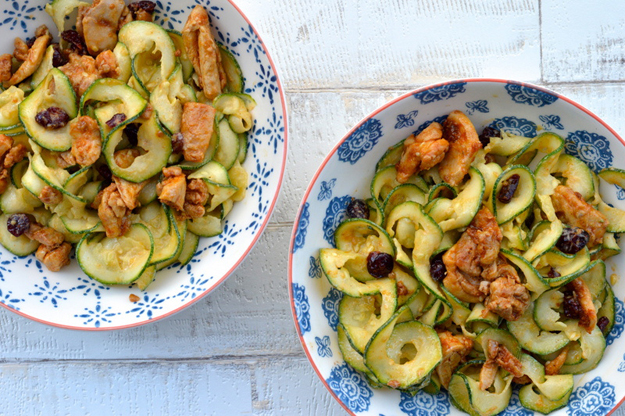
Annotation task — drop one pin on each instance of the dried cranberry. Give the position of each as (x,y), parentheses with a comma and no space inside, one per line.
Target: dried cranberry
(572,240)
(147,6)
(357,208)
(487,133)
(76,42)
(18,224)
(508,189)
(553,273)
(177,143)
(379,264)
(52,118)
(438,270)
(58,59)
(131,131)
(603,323)
(105,172)
(571,306)
(116,120)
(31,41)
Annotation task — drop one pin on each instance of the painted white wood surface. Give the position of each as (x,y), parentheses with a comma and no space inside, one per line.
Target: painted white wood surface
(236,352)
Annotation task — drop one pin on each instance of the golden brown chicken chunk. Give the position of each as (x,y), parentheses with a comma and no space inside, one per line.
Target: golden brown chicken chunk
(497,355)
(50,196)
(507,297)
(464,144)
(54,257)
(172,190)
(574,211)
(455,349)
(81,72)
(129,191)
(588,312)
(106,65)
(553,367)
(86,140)
(422,152)
(32,59)
(5,67)
(197,130)
(100,23)
(113,212)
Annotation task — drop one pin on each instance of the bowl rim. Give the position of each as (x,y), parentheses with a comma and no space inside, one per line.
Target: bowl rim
(259,233)
(331,153)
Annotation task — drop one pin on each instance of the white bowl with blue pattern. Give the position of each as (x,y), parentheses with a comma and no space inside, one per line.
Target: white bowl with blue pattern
(347,171)
(69,298)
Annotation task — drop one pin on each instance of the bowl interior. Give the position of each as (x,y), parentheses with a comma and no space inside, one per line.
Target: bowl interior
(347,172)
(70,298)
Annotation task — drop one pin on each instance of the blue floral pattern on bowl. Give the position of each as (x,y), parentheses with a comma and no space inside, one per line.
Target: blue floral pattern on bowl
(302,307)
(440,93)
(526,95)
(335,214)
(515,125)
(592,148)
(314,271)
(619,322)
(350,387)
(593,398)
(353,180)
(302,228)
(360,142)
(323,346)
(326,189)
(70,298)
(424,404)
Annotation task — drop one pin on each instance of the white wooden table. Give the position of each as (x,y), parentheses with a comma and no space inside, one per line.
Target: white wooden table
(236,352)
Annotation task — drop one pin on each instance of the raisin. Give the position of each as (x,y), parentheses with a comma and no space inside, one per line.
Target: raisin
(147,6)
(379,264)
(508,189)
(76,42)
(438,270)
(116,120)
(177,143)
(131,130)
(18,224)
(31,41)
(357,208)
(105,172)
(603,323)
(571,306)
(572,240)
(58,59)
(487,133)
(553,273)
(52,118)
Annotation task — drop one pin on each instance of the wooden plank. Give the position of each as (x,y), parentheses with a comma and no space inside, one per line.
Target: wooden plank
(583,41)
(373,44)
(277,387)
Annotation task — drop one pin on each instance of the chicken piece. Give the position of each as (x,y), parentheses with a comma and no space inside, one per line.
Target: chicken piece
(129,191)
(100,25)
(203,52)
(497,355)
(44,235)
(82,12)
(31,63)
(195,199)
(126,17)
(5,67)
(455,349)
(476,250)
(464,144)
(142,10)
(106,65)
(81,72)
(50,196)
(197,130)
(86,140)
(6,143)
(125,157)
(113,212)
(20,50)
(54,258)
(42,31)
(172,190)
(508,298)
(422,152)
(17,153)
(574,211)
(553,367)
(64,159)
(588,315)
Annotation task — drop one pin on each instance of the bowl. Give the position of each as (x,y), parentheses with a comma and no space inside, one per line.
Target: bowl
(69,298)
(346,172)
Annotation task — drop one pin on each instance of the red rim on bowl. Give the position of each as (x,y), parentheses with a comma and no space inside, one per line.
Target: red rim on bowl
(349,133)
(254,241)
